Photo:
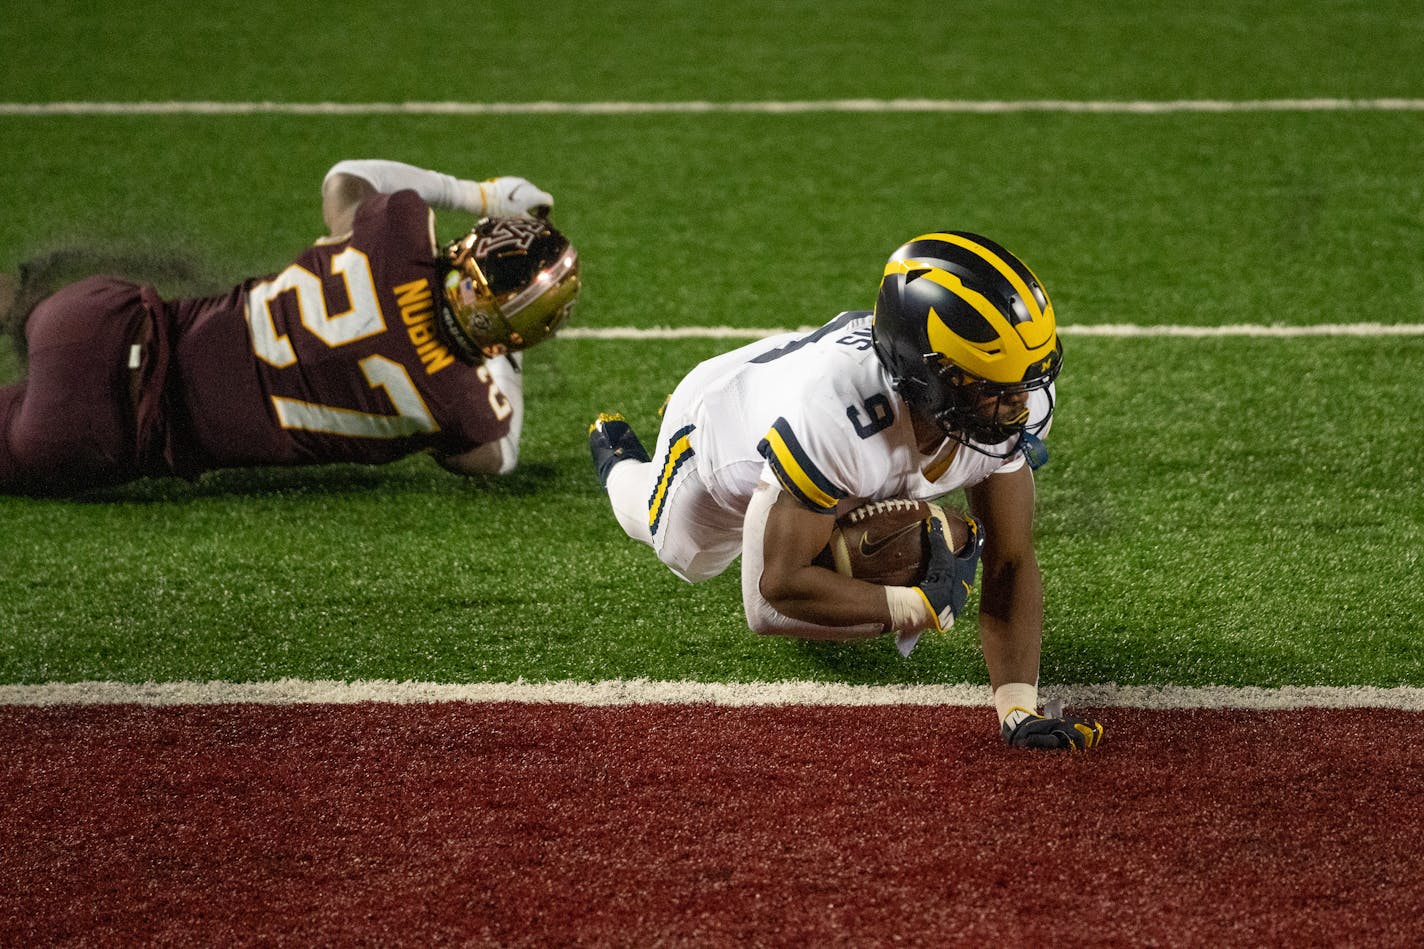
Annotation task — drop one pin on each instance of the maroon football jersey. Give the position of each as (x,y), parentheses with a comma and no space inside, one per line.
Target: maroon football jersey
(336,358)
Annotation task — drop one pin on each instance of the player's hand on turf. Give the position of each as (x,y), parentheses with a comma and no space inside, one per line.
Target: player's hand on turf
(949,577)
(1025,729)
(511,196)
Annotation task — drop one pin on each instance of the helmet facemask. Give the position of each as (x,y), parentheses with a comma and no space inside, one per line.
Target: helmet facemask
(968,409)
(512,283)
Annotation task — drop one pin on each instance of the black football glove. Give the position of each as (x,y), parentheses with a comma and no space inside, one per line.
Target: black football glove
(1039,731)
(950,576)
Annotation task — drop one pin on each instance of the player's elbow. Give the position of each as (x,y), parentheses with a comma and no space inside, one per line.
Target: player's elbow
(762,618)
(341,194)
(492,458)
(772,611)
(766,622)
(777,592)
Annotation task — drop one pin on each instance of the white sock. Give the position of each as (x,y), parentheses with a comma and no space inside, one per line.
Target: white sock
(628,489)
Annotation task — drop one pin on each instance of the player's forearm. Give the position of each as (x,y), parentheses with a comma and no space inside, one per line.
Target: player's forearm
(438,189)
(823,597)
(1011,622)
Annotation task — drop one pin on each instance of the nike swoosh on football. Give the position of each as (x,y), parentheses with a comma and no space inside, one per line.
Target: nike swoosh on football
(871,549)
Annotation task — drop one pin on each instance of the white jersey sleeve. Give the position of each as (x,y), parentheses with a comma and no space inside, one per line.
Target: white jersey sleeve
(828,442)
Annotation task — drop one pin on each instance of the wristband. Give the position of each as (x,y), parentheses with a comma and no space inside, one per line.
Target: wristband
(1017,700)
(909,610)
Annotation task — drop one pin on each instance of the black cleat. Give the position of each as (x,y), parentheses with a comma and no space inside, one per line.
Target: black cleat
(611,440)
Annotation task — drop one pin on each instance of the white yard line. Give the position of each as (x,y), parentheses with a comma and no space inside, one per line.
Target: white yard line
(643,691)
(963,106)
(1105,329)
(622,692)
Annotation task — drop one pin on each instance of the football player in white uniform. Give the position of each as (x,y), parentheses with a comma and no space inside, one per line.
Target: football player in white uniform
(948,384)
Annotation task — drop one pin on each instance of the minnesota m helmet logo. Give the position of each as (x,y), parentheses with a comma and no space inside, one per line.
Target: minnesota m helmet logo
(505,235)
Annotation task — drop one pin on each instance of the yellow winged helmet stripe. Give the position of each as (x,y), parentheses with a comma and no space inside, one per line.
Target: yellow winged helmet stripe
(1027,342)
(997,262)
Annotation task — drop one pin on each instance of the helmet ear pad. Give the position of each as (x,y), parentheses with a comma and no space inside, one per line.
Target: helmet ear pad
(901,341)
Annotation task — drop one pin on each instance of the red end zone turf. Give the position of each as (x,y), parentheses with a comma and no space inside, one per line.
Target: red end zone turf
(537,824)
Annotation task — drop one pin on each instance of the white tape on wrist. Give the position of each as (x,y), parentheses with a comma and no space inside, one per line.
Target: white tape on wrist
(909,610)
(1016,700)
(910,615)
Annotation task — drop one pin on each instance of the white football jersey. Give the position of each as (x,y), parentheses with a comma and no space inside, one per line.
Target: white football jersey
(817,413)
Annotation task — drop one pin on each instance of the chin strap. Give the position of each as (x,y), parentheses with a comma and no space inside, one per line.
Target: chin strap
(455,335)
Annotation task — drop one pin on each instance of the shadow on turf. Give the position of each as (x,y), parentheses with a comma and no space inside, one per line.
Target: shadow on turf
(402,478)
(872,661)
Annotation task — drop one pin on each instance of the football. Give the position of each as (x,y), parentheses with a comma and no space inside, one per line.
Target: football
(884,541)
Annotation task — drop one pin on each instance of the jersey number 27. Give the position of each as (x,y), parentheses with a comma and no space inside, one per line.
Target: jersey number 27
(363,319)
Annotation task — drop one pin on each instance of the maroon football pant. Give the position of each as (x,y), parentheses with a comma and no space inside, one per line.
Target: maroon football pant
(70,424)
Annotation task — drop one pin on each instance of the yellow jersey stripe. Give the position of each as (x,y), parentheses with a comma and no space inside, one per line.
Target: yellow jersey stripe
(796,472)
(679,451)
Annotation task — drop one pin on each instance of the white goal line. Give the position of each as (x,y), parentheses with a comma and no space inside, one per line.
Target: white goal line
(624,692)
(963,106)
(1104,330)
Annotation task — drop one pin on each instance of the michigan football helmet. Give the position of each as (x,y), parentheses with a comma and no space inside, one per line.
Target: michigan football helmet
(512,282)
(966,332)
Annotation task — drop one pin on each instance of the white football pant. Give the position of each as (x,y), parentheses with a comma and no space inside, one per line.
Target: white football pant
(698,538)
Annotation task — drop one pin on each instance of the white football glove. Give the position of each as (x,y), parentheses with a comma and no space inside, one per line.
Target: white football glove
(511,196)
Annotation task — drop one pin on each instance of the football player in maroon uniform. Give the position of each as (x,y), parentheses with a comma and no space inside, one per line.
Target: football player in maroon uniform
(374,343)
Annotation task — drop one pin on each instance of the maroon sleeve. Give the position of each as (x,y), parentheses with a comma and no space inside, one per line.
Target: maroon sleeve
(338,357)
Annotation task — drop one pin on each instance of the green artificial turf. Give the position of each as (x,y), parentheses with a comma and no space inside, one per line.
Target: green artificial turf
(727,50)
(1236,532)
(1240,510)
